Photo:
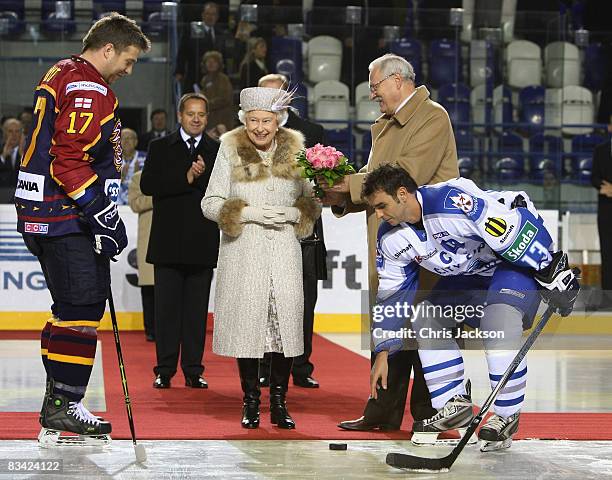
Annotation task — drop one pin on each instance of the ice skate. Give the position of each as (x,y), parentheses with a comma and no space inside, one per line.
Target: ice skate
(496,433)
(456,414)
(70,423)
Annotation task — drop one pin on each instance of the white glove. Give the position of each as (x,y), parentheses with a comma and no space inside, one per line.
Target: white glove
(270,216)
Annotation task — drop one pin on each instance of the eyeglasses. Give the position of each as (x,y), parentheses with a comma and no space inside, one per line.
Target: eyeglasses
(375,86)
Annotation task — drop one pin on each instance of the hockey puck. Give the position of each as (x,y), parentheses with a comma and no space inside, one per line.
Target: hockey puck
(338,446)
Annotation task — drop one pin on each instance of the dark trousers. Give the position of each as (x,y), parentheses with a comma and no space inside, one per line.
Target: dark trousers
(181,309)
(147,293)
(604,224)
(390,405)
(302,366)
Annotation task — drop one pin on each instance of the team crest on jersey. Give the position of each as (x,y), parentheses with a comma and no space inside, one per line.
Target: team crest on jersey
(115,139)
(456,199)
(496,226)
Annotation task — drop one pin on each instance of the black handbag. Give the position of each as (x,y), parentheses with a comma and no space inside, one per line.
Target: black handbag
(314,256)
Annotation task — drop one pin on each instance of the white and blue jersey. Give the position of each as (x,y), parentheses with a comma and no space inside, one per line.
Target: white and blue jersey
(477,243)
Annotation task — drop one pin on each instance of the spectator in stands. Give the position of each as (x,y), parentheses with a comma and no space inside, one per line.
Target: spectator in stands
(25,117)
(253,65)
(143,205)
(191,50)
(183,245)
(159,128)
(217,87)
(133,161)
(414,133)
(263,206)
(314,254)
(11,151)
(601,179)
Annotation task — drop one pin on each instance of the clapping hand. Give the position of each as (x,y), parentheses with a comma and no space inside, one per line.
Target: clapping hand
(606,189)
(196,170)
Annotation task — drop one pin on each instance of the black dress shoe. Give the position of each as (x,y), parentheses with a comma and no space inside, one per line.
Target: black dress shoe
(195,382)
(264,381)
(161,382)
(305,382)
(363,425)
(150,337)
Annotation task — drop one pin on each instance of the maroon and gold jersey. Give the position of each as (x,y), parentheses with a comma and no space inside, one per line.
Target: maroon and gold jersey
(75,141)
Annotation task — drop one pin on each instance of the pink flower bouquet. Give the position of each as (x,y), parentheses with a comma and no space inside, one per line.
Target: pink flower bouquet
(323,162)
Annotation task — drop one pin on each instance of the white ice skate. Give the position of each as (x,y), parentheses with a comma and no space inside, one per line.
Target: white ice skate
(70,423)
(456,414)
(496,433)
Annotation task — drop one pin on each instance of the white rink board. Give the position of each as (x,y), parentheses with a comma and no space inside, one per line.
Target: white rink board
(22,286)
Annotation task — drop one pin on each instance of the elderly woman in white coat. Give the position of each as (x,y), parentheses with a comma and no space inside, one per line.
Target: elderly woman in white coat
(263,206)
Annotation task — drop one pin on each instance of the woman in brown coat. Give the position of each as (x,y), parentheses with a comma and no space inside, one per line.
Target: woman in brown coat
(217,88)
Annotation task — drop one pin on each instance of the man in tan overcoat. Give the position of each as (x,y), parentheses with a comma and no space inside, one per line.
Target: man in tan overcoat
(415,133)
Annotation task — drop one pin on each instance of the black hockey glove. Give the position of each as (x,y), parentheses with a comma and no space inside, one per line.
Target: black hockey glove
(106,226)
(559,284)
(518,202)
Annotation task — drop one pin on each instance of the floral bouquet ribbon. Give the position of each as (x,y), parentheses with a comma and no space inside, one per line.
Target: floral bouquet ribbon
(321,162)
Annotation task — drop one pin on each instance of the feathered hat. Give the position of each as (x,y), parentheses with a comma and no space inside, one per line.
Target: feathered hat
(263,98)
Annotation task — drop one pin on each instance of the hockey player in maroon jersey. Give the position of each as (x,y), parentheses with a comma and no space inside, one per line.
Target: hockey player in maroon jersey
(68,181)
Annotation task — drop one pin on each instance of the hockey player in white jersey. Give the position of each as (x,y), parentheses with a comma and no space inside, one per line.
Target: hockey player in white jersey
(495,255)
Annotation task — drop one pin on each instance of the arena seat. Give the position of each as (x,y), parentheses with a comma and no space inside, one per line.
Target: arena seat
(523,64)
(324,58)
(562,63)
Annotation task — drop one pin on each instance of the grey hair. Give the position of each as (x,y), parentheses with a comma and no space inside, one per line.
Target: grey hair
(281,117)
(389,64)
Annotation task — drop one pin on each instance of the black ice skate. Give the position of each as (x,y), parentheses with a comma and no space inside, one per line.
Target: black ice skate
(456,414)
(60,415)
(497,433)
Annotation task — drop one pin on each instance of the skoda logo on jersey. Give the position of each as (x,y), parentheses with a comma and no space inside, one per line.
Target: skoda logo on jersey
(495,226)
(111,188)
(521,242)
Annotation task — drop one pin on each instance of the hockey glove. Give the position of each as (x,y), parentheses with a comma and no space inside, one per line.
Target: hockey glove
(559,284)
(103,219)
(518,202)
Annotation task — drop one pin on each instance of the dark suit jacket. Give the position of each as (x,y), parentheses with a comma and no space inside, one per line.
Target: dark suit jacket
(180,235)
(190,52)
(313,134)
(250,73)
(8,171)
(145,139)
(602,169)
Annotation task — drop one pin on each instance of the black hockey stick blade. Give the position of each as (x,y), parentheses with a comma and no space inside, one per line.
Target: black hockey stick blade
(419,464)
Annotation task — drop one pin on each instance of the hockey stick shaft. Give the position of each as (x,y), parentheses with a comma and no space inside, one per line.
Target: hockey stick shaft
(126,395)
(409,461)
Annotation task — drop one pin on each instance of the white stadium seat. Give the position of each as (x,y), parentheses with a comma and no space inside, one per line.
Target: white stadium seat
(324,58)
(331,102)
(523,63)
(562,61)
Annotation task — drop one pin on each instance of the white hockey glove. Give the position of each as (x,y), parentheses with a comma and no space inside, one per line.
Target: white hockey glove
(559,282)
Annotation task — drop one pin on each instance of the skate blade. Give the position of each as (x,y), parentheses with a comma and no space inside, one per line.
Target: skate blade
(433,439)
(488,446)
(48,438)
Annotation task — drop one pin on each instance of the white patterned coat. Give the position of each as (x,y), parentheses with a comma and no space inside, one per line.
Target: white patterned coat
(251,254)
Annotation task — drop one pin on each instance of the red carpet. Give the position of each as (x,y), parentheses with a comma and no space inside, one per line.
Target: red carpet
(184,413)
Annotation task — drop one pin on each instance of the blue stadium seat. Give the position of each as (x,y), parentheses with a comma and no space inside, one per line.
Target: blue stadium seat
(466,166)
(286,48)
(51,24)
(343,140)
(456,99)
(502,106)
(509,170)
(411,50)
(153,24)
(582,156)
(594,67)
(13,13)
(464,141)
(545,156)
(585,169)
(531,106)
(444,62)
(287,67)
(105,6)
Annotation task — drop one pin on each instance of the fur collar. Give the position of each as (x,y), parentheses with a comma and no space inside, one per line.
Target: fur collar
(246,163)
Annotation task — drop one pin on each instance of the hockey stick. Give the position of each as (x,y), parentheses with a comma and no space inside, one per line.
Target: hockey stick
(139,450)
(424,464)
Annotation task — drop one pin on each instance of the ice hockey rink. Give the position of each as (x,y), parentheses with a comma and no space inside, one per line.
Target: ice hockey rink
(570,380)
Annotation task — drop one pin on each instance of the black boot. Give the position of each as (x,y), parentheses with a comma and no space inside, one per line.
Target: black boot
(249,381)
(279,382)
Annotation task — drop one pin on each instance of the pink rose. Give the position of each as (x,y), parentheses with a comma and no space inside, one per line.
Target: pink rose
(330,162)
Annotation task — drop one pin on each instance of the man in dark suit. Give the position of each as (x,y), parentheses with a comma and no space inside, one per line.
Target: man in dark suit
(601,178)
(10,151)
(314,266)
(159,121)
(190,50)
(183,245)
